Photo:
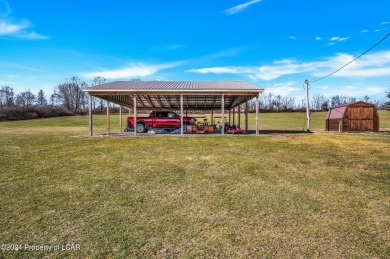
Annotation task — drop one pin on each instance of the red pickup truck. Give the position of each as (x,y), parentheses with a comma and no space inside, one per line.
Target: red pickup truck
(158,119)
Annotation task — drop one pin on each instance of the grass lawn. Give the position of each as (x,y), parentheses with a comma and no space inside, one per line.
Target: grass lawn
(284,195)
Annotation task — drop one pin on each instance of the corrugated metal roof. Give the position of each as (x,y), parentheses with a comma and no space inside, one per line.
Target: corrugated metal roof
(131,86)
(198,95)
(337,113)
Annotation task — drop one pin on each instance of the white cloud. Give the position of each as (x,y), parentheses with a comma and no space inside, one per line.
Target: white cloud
(229,52)
(377,30)
(7,28)
(240,8)
(325,87)
(364,31)
(365,72)
(283,89)
(356,91)
(132,70)
(370,65)
(339,39)
(266,72)
(217,70)
(383,23)
(33,36)
(292,38)
(318,38)
(344,39)
(21,29)
(281,68)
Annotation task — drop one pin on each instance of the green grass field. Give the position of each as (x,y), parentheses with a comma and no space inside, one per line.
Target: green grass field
(321,195)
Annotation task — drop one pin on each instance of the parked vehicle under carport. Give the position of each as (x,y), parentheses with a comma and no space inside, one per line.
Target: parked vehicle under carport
(158,120)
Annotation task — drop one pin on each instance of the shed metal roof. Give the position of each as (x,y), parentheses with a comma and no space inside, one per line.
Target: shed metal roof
(337,112)
(165,95)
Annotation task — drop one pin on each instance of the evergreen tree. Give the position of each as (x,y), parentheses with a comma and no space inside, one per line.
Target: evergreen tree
(388,103)
(41,99)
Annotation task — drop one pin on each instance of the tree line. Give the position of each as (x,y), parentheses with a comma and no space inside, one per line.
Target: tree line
(269,102)
(68,94)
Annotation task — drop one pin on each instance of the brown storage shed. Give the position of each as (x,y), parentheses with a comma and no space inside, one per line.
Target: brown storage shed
(353,117)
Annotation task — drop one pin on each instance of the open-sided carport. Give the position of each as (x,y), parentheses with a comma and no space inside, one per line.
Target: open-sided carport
(177,96)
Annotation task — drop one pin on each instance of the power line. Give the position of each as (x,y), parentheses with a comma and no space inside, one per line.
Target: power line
(376,44)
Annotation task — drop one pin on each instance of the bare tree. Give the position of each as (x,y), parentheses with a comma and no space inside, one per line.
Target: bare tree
(271,102)
(26,98)
(98,80)
(288,102)
(7,96)
(317,102)
(71,94)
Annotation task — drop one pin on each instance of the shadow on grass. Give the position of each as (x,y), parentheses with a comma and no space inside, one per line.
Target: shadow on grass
(279,132)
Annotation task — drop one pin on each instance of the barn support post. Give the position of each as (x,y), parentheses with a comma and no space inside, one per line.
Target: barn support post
(223,114)
(108,117)
(239,116)
(181,115)
(246,116)
(234,114)
(90,114)
(230,116)
(257,115)
(212,118)
(120,118)
(135,114)
(340,126)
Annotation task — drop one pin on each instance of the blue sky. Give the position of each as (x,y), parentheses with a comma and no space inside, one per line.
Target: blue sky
(275,44)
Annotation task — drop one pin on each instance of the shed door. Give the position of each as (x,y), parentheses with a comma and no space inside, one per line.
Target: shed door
(368,118)
(361,118)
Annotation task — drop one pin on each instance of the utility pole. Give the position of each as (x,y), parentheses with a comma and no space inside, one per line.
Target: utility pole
(307,105)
